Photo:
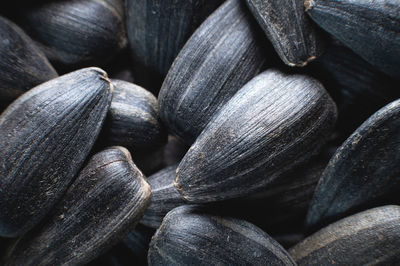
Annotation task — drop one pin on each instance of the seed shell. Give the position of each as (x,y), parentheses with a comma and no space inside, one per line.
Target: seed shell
(283,203)
(164,197)
(365,167)
(190,237)
(272,124)
(74,32)
(133,120)
(371,237)
(102,205)
(370,28)
(158,29)
(22,64)
(291,32)
(174,151)
(357,87)
(47,134)
(223,54)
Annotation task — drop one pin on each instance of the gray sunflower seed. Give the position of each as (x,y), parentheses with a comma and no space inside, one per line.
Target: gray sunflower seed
(164,197)
(77,31)
(22,64)
(363,168)
(133,248)
(370,28)
(138,240)
(191,237)
(102,205)
(371,237)
(221,56)
(174,151)
(158,29)
(293,35)
(272,124)
(133,120)
(47,133)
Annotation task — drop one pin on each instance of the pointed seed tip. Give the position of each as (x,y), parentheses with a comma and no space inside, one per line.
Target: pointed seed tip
(180,190)
(178,186)
(124,150)
(103,76)
(99,70)
(302,63)
(111,86)
(309,4)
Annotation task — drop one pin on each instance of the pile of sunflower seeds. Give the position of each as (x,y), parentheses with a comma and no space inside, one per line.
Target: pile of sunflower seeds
(274,138)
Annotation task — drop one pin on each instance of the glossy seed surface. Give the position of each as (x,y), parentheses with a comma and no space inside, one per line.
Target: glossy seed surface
(272,124)
(46,135)
(191,237)
(102,205)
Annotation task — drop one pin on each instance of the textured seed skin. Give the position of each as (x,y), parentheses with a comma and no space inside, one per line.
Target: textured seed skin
(133,119)
(164,197)
(78,31)
(47,133)
(102,205)
(22,64)
(191,237)
(357,87)
(370,28)
(158,29)
(272,124)
(363,168)
(223,54)
(290,31)
(371,237)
